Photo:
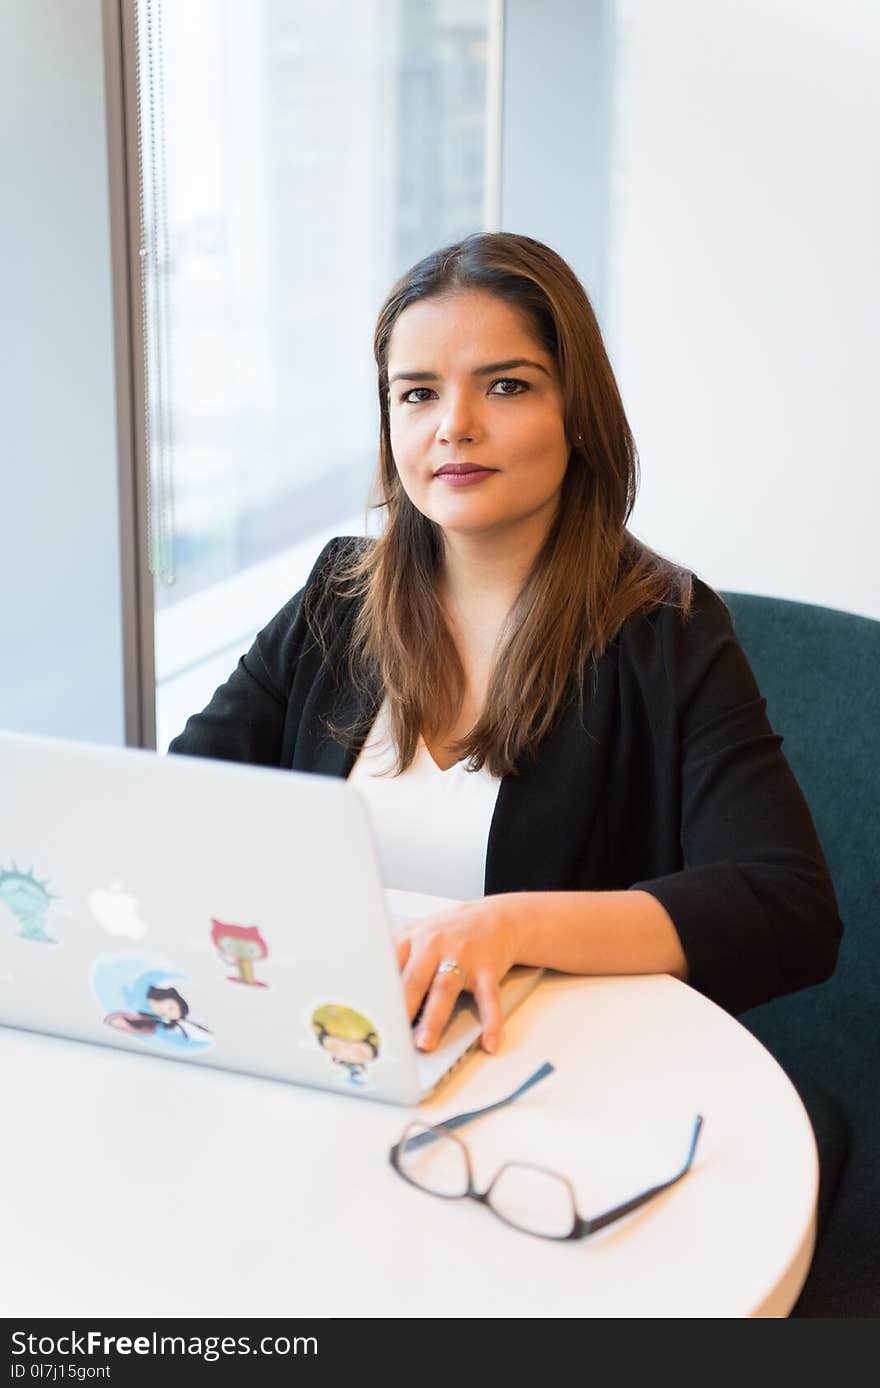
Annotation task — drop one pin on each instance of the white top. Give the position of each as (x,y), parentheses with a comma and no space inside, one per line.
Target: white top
(431,826)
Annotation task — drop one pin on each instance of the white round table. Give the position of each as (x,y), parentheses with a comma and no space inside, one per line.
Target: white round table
(138,1186)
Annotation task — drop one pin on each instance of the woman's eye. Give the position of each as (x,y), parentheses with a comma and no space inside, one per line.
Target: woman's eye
(518,386)
(506,385)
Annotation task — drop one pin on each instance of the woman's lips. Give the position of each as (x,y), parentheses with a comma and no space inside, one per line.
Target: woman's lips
(463,474)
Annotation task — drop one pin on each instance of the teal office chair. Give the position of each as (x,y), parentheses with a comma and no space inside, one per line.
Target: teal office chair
(819,670)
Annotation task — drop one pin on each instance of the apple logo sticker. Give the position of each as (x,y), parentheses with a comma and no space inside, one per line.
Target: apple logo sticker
(116,911)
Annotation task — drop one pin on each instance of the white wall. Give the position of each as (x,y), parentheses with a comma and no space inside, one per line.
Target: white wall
(745,291)
(60,599)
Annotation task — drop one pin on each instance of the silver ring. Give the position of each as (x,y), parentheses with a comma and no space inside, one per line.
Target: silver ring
(450,966)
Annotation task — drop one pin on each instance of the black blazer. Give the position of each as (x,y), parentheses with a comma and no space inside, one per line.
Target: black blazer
(669,778)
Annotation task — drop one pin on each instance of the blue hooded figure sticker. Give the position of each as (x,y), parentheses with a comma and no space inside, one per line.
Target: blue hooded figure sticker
(139,997)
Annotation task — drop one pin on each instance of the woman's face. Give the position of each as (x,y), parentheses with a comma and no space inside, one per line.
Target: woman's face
(471,387)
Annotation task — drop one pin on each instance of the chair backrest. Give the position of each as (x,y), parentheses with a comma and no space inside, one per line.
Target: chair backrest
(819,670)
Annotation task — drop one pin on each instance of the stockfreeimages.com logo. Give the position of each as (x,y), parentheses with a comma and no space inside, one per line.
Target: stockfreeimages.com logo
(95,1342)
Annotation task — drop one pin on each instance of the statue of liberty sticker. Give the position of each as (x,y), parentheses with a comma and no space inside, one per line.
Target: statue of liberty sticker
(29,901)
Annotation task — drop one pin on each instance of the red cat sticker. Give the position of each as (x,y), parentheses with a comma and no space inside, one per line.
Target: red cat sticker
(240,946)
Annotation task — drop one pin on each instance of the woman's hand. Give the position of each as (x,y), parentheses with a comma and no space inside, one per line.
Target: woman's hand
(480,936)
(618,932)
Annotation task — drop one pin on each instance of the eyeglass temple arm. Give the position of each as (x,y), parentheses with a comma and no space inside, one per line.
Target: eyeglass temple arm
(591,1226)
(459,1119)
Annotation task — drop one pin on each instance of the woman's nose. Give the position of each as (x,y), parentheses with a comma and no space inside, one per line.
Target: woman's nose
(458,419)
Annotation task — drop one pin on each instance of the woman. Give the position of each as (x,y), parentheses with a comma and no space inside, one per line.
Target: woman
(546,719)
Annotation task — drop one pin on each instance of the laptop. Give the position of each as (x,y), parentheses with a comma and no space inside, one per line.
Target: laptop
(214,913)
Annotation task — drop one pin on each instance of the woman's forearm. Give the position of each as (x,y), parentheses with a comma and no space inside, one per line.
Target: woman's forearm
(595,933)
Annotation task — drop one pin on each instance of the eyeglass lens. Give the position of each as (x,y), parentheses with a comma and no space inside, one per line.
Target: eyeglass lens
(536,1201)
(438,1166)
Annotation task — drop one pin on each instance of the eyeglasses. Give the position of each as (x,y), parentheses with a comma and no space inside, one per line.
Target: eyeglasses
(530,1198)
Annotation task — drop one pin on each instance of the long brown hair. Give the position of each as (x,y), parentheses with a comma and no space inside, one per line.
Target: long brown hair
(590,575)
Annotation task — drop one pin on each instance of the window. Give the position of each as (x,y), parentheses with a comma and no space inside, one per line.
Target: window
(294,159)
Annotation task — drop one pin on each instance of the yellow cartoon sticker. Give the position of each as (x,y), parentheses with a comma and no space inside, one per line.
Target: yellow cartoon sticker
(349,1039)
